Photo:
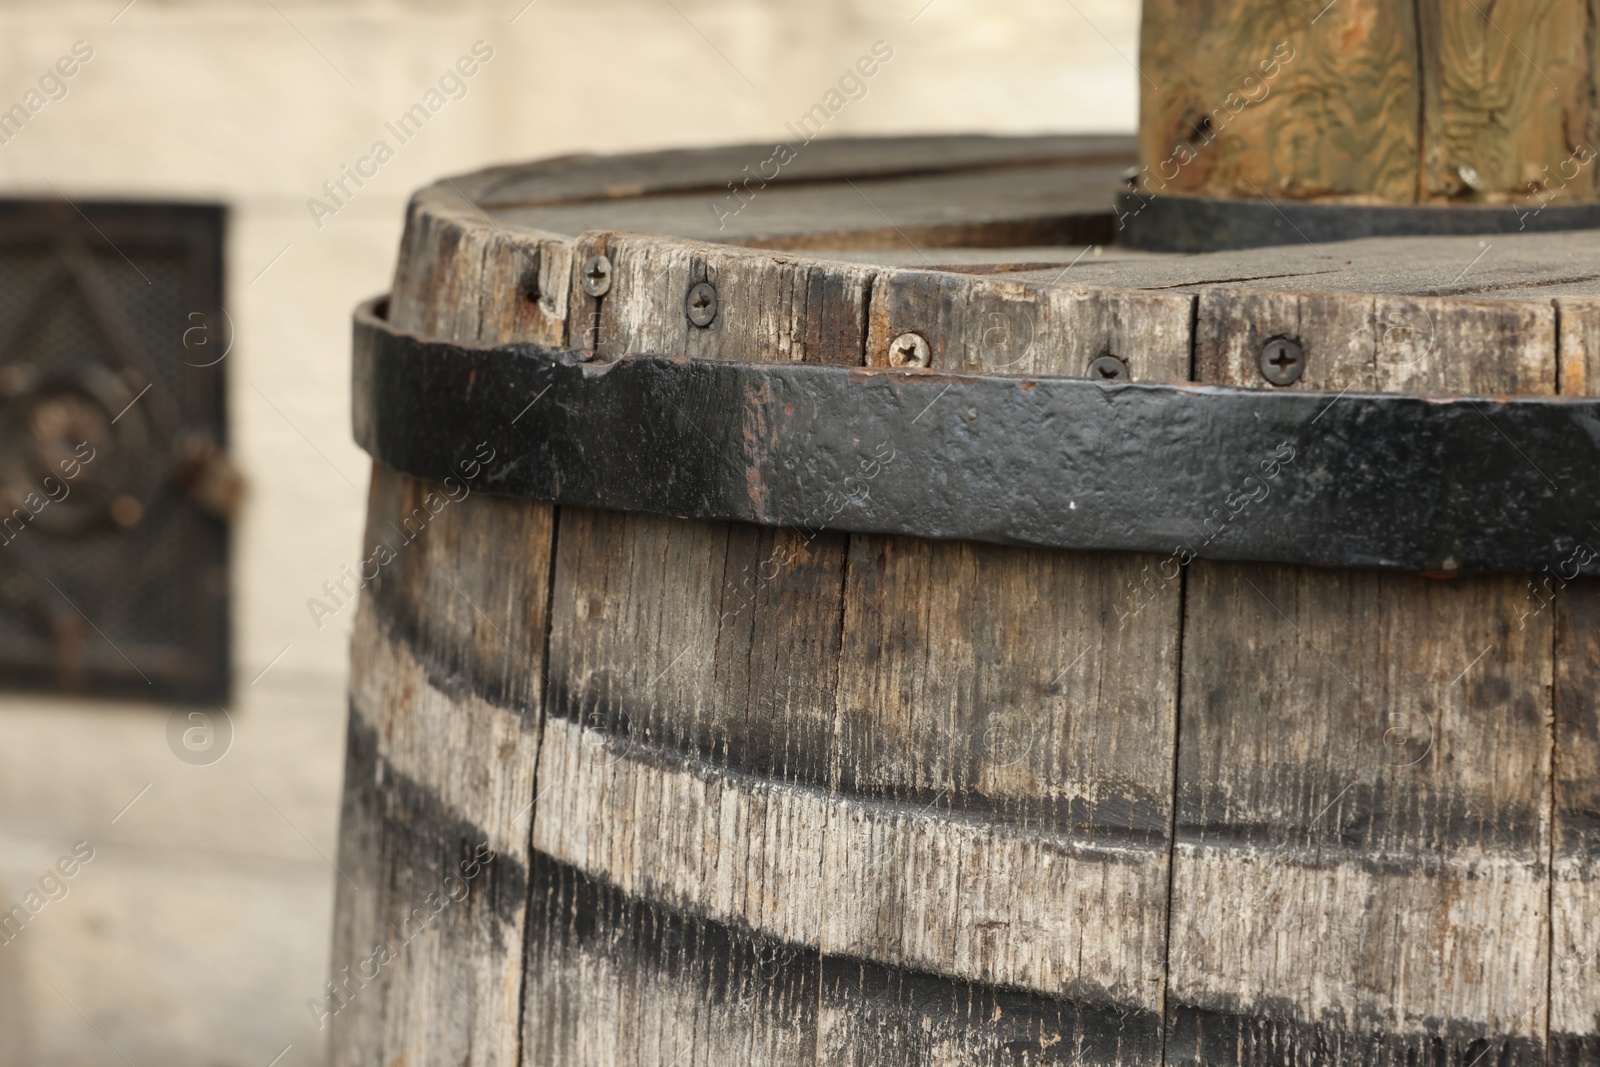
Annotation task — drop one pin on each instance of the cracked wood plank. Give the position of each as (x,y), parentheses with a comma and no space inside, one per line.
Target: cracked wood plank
(428,962)
(1378,745)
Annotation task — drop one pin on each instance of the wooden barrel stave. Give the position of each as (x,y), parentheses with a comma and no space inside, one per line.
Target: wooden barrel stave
(439,774)
(774,820)
(439,688)
(719,680)
(1574,1008)
(679,680)
(1575,860)
(1387,668)
(1371,881)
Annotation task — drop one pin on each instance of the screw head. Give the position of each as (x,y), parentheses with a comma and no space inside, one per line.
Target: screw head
(909,350)
(1282,361)
(1108,368)
(597,276)
(701,304)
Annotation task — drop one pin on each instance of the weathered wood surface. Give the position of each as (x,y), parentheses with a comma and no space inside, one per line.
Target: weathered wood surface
(981,688)
(1253,100)
(1508,97)
(1530,268)
(1525,267)
(689,695)
(1378,745)
(446,701)
(1370,102)
(568,180)
(774,797)
(838,193)
(1575,860)
(1039,204)
(439,773)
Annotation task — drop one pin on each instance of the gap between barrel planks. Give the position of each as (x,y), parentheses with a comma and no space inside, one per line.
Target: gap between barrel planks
(861,713)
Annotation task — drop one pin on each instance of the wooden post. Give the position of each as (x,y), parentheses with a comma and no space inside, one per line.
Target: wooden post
(1370,101)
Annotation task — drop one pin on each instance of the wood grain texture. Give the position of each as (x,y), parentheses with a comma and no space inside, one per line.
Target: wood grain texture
(1046,204)
(662,650)
(1423,101)
(691,636)
(1507,98)
(663,889)
(1525,267)
(465,276)
(675,989)
(616,980)
(1379,343)
(1575,905)
(1379,745)
(999,326)
(1579,352)
(772,308)
(599,178)
(986,685)
(989,684)
(706,640)
(1269,99)
(791,863)
(983,203)
(795,797)
(429,783)
(1575,864)
(433,782)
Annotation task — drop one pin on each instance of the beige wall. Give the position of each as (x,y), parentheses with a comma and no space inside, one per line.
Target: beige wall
(200,928)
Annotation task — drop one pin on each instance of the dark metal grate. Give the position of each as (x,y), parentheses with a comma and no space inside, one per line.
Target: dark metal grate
(113,581)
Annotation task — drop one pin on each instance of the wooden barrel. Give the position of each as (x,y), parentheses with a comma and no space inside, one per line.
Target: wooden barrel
(631,789)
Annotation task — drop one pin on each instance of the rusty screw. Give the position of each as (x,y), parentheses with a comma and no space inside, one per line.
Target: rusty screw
(909,350)
(1282,361)
(701,304)
(1108,368)
(597,276)
(592,336)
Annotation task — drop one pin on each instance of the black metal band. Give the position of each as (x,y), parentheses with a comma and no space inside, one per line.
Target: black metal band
(1445,486)
(1200,224)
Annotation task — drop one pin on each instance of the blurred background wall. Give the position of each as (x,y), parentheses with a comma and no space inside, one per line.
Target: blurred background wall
(199,929)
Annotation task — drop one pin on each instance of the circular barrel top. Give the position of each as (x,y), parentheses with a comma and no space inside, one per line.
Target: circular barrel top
(990,245)
(1020,207)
